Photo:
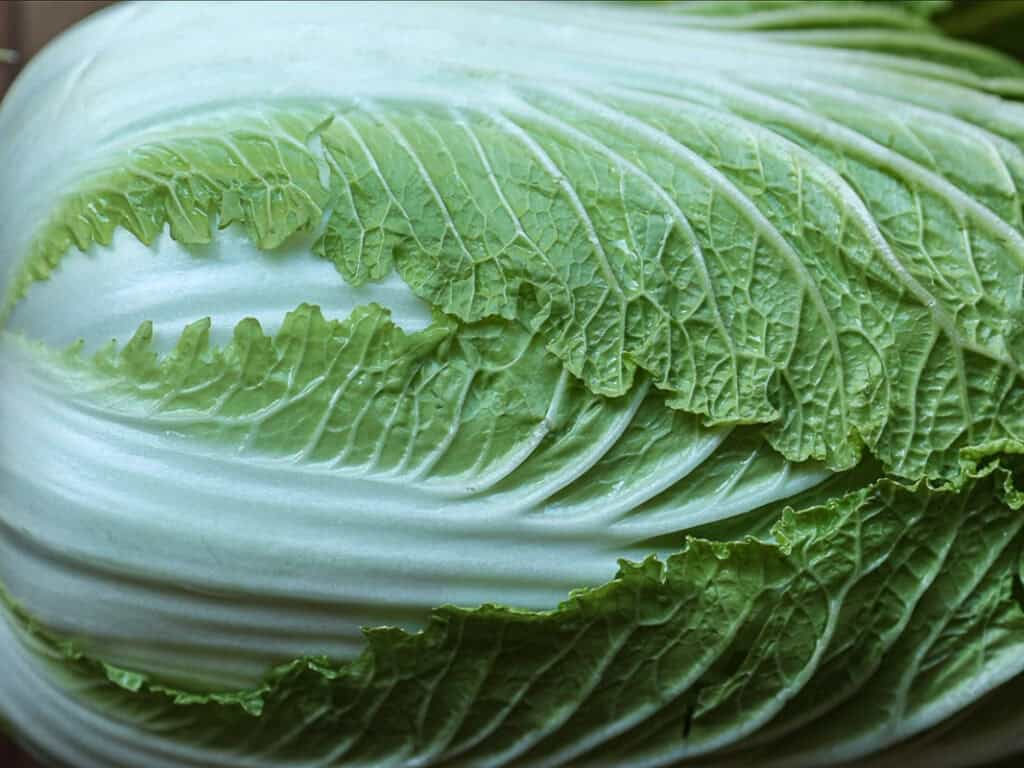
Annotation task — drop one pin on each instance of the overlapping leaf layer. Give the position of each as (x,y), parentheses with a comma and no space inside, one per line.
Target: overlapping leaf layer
(750,297)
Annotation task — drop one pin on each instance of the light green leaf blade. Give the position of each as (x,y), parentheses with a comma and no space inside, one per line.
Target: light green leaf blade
(669,660)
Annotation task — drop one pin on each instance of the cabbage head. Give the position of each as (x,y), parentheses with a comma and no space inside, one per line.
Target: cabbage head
(522,385)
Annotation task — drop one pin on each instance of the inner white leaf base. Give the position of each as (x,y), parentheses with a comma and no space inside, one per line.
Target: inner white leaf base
(177,557)
(106,292)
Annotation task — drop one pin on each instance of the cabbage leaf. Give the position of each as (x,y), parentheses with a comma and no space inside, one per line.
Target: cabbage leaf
(478,385)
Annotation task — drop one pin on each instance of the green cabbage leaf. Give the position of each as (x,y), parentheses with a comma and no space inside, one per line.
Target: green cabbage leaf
(485,385)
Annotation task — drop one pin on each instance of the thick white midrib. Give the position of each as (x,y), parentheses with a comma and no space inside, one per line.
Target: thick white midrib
(825,65)
(211,120)
(107,292)
(466,494)
(723,504)
(128,624)
(465,561)
(42,410)
(610,505)
(46,705)
(701,50)
(851,58)
(63,397)
(202,616)
(922,69)
(39,710)
(704,46)
(111,491)
(689,47)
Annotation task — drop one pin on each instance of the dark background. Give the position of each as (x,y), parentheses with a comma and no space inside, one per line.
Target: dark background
(26,25)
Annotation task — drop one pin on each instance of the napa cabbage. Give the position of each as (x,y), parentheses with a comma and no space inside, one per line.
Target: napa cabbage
(526,385)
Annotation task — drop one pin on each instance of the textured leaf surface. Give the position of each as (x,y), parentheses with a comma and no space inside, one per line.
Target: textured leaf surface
(810,259)
(733,291)
(831,641)
(479,410)
(330,448)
